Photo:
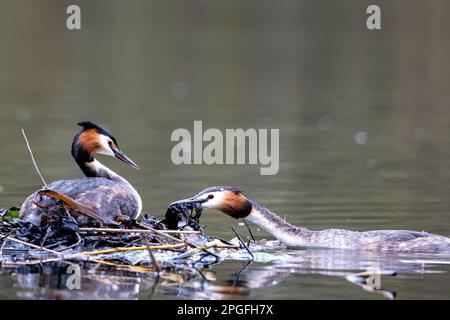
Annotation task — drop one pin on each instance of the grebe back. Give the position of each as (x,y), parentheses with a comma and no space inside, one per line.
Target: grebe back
(104,191)
(232,202)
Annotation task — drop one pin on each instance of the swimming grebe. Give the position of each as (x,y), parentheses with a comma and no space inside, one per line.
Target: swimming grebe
(103,191)
(232,202)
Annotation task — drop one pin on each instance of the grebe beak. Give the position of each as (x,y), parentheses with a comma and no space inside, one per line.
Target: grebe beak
(122,157)
(188,201)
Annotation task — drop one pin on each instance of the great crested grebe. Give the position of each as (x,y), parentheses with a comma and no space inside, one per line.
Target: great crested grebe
(232,202)
(104,191)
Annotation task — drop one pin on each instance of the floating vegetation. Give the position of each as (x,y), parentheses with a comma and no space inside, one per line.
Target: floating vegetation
(9,215)
(191,213)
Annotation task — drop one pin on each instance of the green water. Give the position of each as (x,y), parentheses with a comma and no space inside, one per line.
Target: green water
(309,68)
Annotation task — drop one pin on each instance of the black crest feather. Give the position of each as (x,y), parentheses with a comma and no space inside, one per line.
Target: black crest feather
(90,125)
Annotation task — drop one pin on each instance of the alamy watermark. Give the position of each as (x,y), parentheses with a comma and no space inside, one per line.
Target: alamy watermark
(74,280)
(373,21)
(73,21)
(235,146)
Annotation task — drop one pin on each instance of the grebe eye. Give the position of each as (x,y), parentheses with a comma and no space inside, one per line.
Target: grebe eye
(211,196)
(110,143)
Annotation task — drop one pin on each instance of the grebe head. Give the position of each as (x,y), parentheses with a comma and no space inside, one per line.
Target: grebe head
(95,139)
(228,200)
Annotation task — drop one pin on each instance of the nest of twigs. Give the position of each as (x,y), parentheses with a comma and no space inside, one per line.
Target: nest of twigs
(59,237)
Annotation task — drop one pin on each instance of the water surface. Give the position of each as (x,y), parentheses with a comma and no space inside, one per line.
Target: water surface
(363,119)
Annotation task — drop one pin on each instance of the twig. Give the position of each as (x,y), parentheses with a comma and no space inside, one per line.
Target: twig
(173,238)
(192,252)
(32,245)
(155,285)
(146,230)
(237,275)
(54,259)
(75,244)
(138,231)
(249,230)
(86,255)
(150,253)
(124,266)
(122,249)
(242,242)
(159,232)
(201,274)
(32,158)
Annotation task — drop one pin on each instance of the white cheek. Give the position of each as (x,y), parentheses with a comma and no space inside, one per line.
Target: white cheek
(105,149)
(214,202)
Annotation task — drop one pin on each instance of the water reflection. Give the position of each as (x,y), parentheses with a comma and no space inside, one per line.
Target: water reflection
(50,281)
(346,265)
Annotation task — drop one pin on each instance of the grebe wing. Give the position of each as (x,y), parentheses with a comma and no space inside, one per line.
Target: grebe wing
(106,197)
(406,241)
(397,235)
(383,240)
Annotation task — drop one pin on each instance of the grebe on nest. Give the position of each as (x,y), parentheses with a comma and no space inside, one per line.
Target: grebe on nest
(232,202)
(103,191)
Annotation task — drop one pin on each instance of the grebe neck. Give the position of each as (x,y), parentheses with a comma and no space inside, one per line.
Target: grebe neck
(95,169)
(278,227)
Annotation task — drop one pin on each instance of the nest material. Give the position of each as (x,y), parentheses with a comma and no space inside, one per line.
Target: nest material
(59,237)
(190,212)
